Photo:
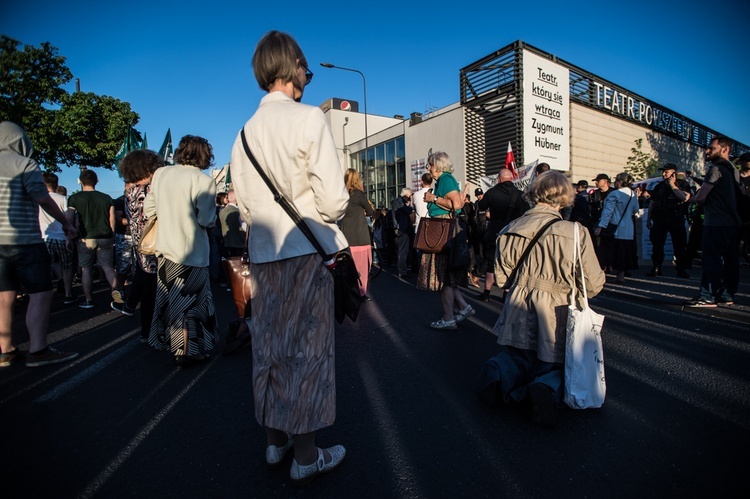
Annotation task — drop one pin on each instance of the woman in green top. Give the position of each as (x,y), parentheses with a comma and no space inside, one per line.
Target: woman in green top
(434,274)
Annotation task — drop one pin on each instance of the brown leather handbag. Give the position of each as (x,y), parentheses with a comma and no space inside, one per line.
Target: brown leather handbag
(237,269)
(434,235)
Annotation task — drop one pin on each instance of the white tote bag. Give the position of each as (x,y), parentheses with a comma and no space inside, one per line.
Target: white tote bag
(585,387)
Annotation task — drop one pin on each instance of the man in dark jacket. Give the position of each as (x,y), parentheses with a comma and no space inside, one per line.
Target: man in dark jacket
(581,211)
(503,203)
(666,215)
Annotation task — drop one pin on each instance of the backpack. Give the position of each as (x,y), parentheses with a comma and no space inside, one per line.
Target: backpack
(741,199)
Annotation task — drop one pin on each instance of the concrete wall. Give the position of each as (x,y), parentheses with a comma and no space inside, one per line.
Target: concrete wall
(600,143)
(442,132)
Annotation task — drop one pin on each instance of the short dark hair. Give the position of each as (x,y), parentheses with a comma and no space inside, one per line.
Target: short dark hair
(61,190)
(723,141)
(427,178)
(88,178)
(194,151)
(541,168)
(744,158)
(275,58)
(50,180)
(139,164)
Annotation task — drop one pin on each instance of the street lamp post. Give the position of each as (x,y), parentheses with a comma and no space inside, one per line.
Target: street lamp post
(364,86)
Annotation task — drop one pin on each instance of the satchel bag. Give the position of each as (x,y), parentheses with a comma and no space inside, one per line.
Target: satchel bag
(585,385)
(147,246)
(434,235)
(347,298)
(237,269)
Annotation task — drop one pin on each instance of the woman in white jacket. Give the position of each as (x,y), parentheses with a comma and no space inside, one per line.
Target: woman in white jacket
(294,384)
(620,208)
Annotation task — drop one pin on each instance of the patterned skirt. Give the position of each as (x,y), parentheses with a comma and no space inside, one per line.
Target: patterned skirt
(434,273)
(292,328)
(184,320)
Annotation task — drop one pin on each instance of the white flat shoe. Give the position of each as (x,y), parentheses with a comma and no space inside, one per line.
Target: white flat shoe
(443,324)
(463,314)
(274,455)
(301,474)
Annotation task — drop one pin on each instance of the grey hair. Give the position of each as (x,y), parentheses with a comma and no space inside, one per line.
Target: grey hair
(551,188)
(406,192)
(441,161)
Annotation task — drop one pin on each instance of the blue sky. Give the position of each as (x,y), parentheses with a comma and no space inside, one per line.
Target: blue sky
(186,65)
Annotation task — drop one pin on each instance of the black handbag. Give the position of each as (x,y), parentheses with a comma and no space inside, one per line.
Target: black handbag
(347,298)
(459,255)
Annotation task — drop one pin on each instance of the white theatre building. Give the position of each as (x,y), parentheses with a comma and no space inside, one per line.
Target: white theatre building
(548,109)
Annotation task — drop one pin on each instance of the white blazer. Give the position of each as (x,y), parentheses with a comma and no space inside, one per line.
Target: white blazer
(295,147)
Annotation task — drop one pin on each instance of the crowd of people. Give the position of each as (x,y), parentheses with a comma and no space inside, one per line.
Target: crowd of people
(520,241)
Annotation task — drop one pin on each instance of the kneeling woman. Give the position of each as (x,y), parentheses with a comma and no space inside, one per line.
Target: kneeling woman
(532,325)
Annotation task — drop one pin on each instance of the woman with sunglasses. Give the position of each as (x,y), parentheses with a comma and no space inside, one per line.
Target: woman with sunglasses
(292,325)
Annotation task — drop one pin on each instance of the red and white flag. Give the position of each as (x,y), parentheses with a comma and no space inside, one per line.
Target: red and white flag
(510,162)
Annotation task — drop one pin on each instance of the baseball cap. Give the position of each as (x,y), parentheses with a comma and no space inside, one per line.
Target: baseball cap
(602,176)
(478,192)
(582,183)
(668,166)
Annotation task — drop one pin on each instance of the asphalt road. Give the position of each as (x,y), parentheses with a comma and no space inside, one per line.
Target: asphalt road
(121,421)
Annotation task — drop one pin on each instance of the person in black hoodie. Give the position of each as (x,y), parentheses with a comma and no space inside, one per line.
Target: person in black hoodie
(504,203)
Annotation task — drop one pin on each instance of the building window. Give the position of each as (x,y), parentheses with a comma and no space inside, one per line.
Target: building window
(383,170)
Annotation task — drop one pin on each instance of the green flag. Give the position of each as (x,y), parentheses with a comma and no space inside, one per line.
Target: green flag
(165,151)
(131,144)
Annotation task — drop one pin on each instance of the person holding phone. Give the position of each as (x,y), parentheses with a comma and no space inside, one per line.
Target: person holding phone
(666,215)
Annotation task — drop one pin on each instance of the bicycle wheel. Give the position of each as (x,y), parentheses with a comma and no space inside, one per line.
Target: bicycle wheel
(377,264)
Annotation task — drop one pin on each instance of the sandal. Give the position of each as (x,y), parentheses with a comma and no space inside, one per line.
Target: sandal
(463,314)
(443,324)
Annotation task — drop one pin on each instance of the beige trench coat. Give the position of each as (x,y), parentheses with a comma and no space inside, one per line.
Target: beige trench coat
(536,307)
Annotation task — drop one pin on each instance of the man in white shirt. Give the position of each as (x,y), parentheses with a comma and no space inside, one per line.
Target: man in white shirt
(420,206)
(55,240)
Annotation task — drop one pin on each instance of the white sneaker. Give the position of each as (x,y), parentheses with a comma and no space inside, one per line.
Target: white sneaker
(274,455)
(302,474)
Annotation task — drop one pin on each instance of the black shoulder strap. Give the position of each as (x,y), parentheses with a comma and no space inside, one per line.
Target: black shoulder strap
(281,200)
(537,236)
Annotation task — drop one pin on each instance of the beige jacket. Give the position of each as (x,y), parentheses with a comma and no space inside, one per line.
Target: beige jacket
(295,147)
(536,307)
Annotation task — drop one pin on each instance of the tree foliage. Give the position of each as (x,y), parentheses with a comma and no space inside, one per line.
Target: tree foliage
(95,127)
(641,164)
(72,129)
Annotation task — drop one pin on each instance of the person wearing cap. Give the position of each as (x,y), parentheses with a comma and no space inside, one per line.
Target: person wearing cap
(596,201)
(602,184)
(666,215)
(581,211)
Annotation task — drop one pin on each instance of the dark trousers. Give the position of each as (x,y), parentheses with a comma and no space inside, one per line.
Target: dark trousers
(506,376)
(143,290)
(721,264)
(675,227)
(403,252)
